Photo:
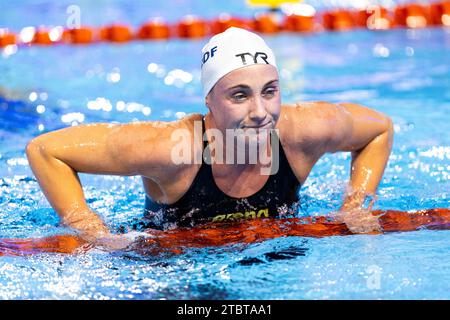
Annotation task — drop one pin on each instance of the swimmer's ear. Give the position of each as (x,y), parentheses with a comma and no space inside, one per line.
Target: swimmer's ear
(207,101)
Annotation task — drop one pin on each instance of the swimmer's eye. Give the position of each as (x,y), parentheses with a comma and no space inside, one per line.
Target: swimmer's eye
(239,96)
(270,92)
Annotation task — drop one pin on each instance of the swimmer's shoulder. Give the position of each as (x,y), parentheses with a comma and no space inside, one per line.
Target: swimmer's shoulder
(166,138)
(185,122)
(172,178)
(309,126)
(149,145)
(190,121)
(162,130)
(311,110)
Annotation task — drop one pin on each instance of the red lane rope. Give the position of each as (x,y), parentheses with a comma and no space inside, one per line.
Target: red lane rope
(377,18)
(250,231)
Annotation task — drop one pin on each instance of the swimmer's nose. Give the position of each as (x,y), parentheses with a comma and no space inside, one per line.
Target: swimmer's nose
(258,112)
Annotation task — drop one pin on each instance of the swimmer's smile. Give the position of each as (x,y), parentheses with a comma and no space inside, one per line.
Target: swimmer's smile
(267,125)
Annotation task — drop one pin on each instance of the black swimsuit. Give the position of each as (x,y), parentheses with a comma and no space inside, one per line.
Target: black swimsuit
(205,202)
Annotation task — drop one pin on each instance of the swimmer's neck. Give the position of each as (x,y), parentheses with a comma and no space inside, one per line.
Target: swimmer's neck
(237,168)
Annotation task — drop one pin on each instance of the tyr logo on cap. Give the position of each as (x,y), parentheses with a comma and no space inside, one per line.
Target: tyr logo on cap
(255,57)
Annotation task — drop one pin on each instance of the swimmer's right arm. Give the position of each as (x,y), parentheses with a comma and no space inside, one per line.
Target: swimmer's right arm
(57,157)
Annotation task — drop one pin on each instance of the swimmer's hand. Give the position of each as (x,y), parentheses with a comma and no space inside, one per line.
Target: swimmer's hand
(359,220)
(95,232)
(114,242)
(122,242)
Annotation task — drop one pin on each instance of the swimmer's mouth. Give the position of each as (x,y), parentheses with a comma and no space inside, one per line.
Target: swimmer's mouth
(266,125)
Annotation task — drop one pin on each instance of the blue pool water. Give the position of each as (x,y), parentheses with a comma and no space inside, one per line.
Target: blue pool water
(403,73)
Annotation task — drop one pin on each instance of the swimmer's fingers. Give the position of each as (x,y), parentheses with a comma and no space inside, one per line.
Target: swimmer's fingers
(359,220)
(123,242)
(113,242)
(84,248)
(139,235)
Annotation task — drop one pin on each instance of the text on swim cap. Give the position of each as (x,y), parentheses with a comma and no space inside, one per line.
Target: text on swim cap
(255,57)
(208,54)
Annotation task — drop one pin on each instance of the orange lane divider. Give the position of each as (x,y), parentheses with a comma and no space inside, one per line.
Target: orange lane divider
(116,33)
(82,35)
(298,23)
(7,39)
(266,23)
(412,16)
(374,18)
(42,37)
(250,231)
(226,21)
(440,13)
(190,27)
(155,29)
(339,20)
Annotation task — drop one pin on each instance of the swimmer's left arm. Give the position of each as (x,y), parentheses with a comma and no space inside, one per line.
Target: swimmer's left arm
(368,135)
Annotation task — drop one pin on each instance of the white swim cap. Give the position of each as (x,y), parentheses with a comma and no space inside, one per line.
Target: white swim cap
(230,50)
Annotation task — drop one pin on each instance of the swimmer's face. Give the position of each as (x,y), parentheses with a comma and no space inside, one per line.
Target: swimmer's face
(246,98)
